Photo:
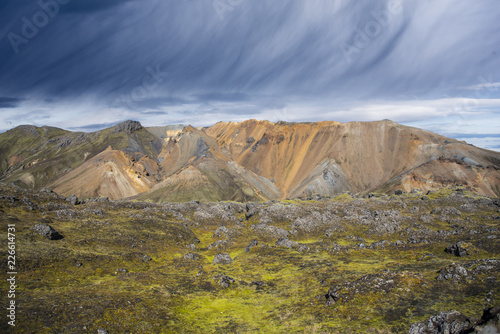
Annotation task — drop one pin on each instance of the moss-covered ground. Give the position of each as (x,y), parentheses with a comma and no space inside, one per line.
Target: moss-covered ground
(99,275)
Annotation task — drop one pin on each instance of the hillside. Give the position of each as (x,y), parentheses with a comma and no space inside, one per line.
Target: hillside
(330,157)
(247,161)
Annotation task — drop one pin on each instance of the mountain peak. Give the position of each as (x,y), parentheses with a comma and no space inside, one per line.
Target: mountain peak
(27,129)
(128,127)
(273,160)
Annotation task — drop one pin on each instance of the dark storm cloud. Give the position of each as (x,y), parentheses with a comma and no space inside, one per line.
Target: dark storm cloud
(259,58)
(287,48)
(87,6)
(10,102)
(223,97)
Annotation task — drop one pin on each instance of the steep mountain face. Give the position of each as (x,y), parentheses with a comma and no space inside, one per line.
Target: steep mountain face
(247,161)
(330,157)
(194,168)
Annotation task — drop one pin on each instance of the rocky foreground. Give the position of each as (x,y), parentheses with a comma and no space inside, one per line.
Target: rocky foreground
(407,263)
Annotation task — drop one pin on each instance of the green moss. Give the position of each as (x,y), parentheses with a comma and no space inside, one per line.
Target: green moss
(167,294)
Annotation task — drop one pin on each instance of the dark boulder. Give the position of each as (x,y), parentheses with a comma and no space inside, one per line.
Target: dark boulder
(490,321)
(457,249)
(73,200)
(444,323)
(47,231)
(332,296)
(249,214)
(258,284)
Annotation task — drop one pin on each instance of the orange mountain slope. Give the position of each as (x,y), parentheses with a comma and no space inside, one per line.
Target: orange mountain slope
(328,157)
(251,160)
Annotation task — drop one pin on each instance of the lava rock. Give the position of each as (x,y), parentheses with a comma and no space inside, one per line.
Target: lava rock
(444,323)
(224,281)
(490,321)
(270,231)
(399,243)
(258,284)
(249,214)
(252,244)
(146,258)
(332,296)
(285,242)
(426,257)
(47,231)
(222,259)
(303,248)
(73,200)
(453,272)
(220,232)
(218,244)
(457,249)
(192,256)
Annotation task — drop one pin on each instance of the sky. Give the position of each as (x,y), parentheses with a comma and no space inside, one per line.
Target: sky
(84,65)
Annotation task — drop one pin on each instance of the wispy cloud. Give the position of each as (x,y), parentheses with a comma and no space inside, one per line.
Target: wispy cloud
(423,63)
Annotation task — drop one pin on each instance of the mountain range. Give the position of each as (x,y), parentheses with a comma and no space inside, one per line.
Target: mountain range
(247,161)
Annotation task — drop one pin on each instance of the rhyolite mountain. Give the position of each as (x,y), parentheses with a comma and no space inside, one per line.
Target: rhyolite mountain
(247,161)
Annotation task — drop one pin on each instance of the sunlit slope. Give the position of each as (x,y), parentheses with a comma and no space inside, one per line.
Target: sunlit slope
(111,173)
(251,160)
(329,157)
(194,168)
